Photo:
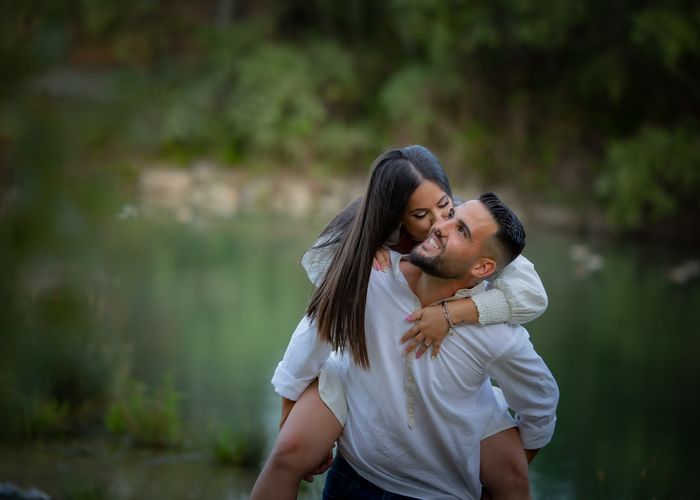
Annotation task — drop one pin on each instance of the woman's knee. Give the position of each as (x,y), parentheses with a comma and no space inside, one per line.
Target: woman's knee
(288,453)
(504,468)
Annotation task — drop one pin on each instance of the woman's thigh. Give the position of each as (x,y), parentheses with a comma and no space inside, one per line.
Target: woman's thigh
(310,429)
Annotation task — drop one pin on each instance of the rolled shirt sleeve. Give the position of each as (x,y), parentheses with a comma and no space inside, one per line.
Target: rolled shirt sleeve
(302,361)
(516,296)
(317,259)
(529,389)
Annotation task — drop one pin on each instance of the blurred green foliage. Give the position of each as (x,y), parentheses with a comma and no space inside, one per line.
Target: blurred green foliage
(243,447)
(653,176)
(507,90)
(149,419)
(46,418)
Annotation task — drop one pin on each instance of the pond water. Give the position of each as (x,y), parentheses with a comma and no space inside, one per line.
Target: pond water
(214,305)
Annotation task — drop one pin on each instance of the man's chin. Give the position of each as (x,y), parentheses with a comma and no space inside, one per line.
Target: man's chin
(428,264)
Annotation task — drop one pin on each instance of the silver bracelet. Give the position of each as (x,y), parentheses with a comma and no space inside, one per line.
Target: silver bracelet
(451,330)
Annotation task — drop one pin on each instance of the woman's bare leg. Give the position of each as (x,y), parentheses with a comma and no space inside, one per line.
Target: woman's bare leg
(301,446)
(504,465)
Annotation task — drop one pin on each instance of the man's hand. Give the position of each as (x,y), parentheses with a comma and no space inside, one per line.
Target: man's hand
(323,467)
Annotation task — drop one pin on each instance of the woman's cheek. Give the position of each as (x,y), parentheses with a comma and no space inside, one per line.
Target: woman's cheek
(423,230)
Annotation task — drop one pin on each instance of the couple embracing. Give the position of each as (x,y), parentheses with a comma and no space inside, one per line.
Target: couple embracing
(402,272)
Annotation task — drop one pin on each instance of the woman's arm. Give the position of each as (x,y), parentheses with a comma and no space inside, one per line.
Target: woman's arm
(317,258)
(516,296)
(302,361)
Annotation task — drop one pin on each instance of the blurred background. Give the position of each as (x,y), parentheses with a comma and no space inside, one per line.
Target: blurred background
(163,166)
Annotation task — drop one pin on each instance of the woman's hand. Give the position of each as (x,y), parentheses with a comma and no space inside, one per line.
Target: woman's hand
(429,331)
(382,259)
(432,327)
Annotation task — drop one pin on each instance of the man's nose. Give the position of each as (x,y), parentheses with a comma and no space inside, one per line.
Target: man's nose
(439,226)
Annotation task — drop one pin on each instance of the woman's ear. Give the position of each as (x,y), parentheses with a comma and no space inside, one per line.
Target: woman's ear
(484,268)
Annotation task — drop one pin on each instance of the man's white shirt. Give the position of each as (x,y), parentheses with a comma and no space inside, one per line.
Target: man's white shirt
(414,425)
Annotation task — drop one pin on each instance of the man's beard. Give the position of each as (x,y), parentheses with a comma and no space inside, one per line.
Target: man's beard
(434,266)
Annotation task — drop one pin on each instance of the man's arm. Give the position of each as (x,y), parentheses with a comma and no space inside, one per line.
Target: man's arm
(530,390)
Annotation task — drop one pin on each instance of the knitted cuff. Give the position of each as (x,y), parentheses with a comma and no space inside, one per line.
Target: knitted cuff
(492,306)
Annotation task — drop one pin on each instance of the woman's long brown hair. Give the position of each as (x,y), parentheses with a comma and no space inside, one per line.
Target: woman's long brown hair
(338,304)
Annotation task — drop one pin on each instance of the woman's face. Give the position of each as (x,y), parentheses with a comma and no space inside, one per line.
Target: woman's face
(427,205)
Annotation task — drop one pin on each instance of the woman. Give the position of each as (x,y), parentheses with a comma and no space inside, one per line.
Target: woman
(408,190)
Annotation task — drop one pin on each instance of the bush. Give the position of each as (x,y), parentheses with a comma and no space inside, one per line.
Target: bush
(151,420)
(241,448)
(47,418)
(653,176)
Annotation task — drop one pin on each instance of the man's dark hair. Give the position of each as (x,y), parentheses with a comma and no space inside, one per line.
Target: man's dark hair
(510,237)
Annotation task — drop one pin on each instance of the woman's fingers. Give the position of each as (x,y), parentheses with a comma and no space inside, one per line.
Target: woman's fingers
(419,342)
(421,336)
(415,342)
(436,349)
(421,349)
(410,334)
(415,316)
(383,258)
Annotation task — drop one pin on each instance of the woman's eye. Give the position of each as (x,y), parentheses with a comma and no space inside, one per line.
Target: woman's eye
(420,215)
(443,205)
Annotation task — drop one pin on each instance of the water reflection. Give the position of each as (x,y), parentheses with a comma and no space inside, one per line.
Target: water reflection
(214,306)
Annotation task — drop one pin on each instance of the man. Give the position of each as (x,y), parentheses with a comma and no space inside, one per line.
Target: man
(414,426)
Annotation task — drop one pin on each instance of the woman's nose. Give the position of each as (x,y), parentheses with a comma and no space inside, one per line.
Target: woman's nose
(438,216)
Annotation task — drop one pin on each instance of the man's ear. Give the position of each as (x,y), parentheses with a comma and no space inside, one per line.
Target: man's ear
(484,268)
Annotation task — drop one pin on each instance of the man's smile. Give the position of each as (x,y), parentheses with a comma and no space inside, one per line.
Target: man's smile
(432,244)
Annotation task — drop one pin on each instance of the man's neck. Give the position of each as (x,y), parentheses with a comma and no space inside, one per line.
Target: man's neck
(430,289)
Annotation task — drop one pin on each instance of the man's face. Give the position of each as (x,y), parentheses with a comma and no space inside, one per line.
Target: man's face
(456,247)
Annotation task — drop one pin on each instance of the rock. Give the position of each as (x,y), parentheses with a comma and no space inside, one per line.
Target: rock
(166,188)
(585,261)
(128,211)
(215,199)
(683,273)
(292,197)
(11,491)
